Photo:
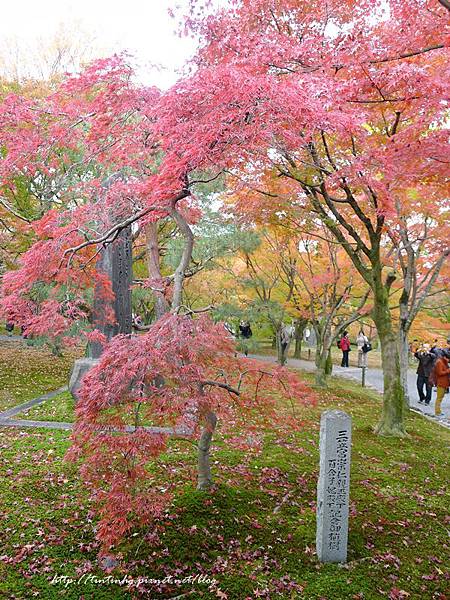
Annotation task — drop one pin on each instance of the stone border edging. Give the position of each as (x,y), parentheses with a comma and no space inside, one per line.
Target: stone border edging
(6,421)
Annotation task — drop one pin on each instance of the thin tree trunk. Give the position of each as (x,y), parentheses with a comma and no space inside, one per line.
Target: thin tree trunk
(154,269)
(281,355)
(204,446)
(180,271)
(323,362)
(404,363)
(300,326)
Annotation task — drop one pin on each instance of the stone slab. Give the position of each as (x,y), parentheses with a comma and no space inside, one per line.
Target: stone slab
(333,487)
(80,368)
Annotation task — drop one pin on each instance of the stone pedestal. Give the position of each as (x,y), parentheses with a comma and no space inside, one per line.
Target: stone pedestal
(333,487)
(80,368)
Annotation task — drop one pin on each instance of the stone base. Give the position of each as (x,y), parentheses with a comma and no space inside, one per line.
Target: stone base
(80,368)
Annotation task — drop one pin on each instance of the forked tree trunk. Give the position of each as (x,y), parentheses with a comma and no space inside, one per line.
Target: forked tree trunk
(204,481)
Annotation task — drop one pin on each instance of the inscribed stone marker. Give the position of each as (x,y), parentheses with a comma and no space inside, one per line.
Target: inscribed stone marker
(116,262)
(333,487)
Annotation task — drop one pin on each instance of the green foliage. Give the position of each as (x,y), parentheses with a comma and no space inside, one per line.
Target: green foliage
(142,302)
(216,237)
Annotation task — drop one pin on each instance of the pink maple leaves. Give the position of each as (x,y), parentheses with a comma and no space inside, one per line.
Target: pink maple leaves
(173,376)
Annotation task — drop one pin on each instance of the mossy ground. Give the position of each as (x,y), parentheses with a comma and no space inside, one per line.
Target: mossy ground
(27,372)
(255,533)
(58,408)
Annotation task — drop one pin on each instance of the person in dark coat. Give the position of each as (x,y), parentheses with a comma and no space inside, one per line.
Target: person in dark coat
(426,361)
(245,330)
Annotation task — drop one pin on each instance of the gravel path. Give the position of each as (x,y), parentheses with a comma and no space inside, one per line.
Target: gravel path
(374,380)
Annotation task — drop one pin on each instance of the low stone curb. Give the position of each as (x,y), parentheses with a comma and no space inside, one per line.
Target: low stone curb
(44,424)
(6,421)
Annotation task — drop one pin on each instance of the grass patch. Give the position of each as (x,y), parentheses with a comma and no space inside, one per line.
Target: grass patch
(58,408)
(27,372)
(255,533)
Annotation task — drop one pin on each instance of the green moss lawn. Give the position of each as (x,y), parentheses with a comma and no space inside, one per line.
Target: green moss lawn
(27,372)
(254,535)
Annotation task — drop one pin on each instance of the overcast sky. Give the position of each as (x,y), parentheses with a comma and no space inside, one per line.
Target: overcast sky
(143,27)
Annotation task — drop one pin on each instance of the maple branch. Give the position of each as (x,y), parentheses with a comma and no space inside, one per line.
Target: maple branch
(434,271)
(107,238)
(383,100)
(396,122)
(195,181)
(338,234)
(10,209)
(219,384)
(196,311)
(406,54)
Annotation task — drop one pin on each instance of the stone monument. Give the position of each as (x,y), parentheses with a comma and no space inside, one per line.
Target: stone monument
(333,487)
(116,262)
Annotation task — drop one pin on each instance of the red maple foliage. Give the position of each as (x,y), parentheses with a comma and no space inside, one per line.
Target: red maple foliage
(176,379)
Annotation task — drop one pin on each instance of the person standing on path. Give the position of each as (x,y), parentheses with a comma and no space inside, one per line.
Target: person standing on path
(426,361)
(246,333)
(344,345)
(361,341)
(441,373)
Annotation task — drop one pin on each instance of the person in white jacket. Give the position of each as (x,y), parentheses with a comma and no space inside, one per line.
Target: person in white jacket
(361,340)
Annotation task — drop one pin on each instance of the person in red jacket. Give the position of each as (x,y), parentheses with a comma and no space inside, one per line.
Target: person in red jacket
(442,378)
(344,345)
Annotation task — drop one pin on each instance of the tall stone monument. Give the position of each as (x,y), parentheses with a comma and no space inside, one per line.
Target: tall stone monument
(333,487)
(116,262)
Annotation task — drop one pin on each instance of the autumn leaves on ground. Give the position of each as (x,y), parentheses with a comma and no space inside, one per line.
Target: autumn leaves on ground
(254,534)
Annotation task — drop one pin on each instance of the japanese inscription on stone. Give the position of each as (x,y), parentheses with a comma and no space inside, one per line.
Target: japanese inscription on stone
(333,486)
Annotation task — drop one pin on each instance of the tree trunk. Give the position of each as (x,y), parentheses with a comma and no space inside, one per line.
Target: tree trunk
(324,365)
(393,415)
(321,375)
(300,326)
(404,362)
(154,270)
(204,446)
(180,271)
(281,352)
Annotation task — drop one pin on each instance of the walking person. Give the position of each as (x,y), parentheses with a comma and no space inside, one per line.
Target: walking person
(441,374)
(426,361)
(362,342)
(246,333)
(344,345)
